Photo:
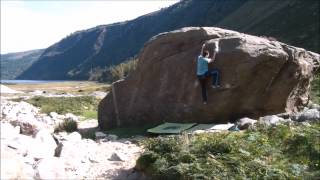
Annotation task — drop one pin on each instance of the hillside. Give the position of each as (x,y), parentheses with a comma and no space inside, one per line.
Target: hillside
(13,64)
(292,21)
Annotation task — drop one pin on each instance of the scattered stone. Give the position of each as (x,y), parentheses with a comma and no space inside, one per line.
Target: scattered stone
(245,123)
(271,120)
(72,117)
(115,157)
(55,115)
(315,106)
(112,137)
(100,135)
(99,94)
(307,115)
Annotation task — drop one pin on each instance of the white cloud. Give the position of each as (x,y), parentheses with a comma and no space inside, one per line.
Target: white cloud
(29,25)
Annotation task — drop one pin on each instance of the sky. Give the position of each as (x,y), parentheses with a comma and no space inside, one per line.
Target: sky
(35,24)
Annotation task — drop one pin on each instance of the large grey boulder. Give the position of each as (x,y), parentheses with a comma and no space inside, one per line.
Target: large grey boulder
(258,77)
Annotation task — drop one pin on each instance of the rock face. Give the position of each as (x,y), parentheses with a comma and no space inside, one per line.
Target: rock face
(258,77)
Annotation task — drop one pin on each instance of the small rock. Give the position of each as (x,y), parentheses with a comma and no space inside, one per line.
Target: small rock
(72,117)
(271,120)
(112,137)
(116,157)
(315,106)
(53,114)
(245,123)
(309,115)
(100,135)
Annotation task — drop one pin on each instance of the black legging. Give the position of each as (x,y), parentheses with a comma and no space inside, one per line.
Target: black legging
(203,81)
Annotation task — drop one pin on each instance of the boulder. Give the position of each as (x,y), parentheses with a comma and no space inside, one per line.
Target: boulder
(8,132)
(258,77)
(245,123)
(271,120)
(12,165)
(51,168)
(307,115)
(46,145)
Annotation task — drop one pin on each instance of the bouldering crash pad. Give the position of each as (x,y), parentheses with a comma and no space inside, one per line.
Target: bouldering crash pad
(171,128)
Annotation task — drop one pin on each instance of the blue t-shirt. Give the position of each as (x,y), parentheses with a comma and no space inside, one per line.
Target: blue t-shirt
(202,65)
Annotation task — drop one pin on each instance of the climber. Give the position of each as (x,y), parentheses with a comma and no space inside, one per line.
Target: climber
(203,71)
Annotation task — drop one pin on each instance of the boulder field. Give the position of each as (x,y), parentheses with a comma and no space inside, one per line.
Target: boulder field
(259,76)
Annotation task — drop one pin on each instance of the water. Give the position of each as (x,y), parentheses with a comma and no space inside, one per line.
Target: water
(28,81)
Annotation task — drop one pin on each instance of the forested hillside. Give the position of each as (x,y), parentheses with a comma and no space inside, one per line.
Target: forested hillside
(13,64)
(295,22)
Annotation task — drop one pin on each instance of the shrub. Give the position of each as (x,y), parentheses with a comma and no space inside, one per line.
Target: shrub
(67,125)
(282,152)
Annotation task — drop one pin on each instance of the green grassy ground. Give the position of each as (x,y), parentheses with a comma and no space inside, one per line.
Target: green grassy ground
(282,152)
(83,105)
(73,87)
(315,89)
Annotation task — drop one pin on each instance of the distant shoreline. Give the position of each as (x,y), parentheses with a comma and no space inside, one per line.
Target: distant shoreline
(34,81)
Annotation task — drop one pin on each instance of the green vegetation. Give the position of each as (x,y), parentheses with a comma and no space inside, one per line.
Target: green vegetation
(82,105)
(282,152)
(67,125)
(315,89)
(114,73)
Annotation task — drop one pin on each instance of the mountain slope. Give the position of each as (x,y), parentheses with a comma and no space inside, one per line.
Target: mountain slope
(291,21)
(13,64)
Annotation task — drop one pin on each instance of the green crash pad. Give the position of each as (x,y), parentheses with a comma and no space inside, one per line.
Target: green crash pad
(200,127)
(171,128)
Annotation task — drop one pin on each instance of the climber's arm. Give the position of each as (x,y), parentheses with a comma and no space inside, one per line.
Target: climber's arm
(202,49)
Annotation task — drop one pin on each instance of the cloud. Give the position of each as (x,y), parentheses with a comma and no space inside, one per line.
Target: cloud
(29,25)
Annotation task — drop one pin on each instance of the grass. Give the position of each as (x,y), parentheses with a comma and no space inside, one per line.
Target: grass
(90,114)
(282,152)
(82,105)
(315,89)
(68,125)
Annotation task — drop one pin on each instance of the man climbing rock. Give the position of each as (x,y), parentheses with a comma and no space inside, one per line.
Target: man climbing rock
(203,71)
